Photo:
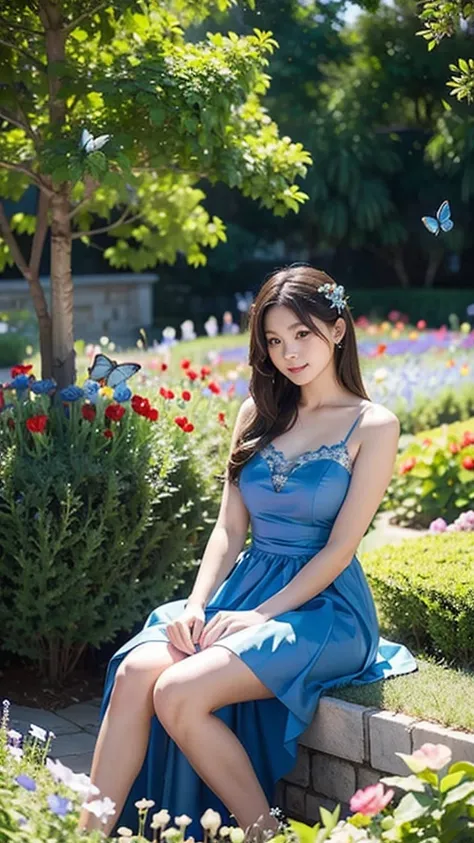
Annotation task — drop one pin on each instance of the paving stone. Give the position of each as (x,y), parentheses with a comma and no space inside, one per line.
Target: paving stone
(78,763)
(84,715)
(75,744)
(332,777)
(337,729)
(461,744)
(294,801)
(22,716)
(390,733)
(300,772)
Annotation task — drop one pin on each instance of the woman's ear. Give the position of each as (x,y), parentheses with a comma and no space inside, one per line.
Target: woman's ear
(339,330)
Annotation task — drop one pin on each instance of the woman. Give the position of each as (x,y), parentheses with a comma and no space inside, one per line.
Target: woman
(203,707)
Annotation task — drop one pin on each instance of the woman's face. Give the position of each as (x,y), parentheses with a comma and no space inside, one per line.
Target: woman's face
(292,345)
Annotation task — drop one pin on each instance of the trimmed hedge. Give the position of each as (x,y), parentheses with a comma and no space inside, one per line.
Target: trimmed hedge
(424,590)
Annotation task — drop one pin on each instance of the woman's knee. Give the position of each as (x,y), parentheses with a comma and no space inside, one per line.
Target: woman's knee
(138,672)
(172,702)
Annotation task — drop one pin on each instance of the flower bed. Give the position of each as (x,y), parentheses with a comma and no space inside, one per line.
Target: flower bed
(434,476)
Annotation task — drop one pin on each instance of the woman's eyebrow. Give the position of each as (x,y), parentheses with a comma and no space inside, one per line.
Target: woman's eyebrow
(293,325)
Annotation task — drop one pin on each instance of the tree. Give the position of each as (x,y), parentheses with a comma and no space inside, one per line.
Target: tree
(176,112)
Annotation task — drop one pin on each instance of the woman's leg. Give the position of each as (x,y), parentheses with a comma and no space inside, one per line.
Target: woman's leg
(185,695)
(125,729)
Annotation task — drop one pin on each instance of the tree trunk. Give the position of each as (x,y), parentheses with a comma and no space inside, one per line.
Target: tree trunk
(434,261)
(400,270)
(64,369)
(62,296)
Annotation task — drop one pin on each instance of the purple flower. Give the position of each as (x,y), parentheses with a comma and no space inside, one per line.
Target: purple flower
(59,805)
(26,782)
(438,526)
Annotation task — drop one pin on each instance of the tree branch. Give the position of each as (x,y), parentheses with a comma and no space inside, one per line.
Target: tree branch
(87,14)
(5,22)
(107,228)
(26,54)
(10,118)
(19,168)
(12,244)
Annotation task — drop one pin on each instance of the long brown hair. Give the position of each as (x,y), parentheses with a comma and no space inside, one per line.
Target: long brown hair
(276,397)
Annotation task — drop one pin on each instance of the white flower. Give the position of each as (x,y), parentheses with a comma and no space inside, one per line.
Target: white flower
(380,375)
(37,732)
(78,782)
(237,835)
(144,804)
(124,831)
(104,341)
(211,821)
(112,346)
(182,821)
(102,808)
(160,819)
(15,752)
(170,833)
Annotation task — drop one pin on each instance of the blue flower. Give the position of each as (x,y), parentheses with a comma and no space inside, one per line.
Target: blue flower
(26,782)
(91,390)
(20,382)
(43,387)
(122,393)
(71,393)
(59,805)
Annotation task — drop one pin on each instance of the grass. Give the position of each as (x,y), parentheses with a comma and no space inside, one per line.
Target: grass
(434,692)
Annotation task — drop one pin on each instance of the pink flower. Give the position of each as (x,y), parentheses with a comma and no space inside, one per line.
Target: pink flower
(435,755)
(371,800)
(438,526)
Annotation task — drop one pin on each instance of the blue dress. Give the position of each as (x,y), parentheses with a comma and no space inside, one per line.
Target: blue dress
(331,639)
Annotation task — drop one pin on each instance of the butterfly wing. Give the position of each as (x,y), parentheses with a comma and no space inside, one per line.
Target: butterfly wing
(86,138)
(431,224)
(444,216)
(101,367)
(122,373)
(98,143)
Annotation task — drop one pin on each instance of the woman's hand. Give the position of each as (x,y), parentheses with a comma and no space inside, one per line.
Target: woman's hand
(185,630)
(225,623)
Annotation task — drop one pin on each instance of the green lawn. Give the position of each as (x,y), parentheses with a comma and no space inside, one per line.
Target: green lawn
(434,692)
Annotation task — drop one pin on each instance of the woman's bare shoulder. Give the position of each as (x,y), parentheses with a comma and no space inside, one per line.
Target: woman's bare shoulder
(376,417)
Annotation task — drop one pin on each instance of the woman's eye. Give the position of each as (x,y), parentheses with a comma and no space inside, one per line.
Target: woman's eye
(303,332)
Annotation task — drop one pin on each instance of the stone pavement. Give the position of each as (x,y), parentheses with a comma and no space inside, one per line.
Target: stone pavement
(75,727)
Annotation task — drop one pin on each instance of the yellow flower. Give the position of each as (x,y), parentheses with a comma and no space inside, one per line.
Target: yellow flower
(465,328)
(413,335)
(395,334)
(464,370)
(106,391)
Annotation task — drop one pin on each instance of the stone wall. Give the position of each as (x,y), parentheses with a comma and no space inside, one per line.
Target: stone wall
(348,747)
(114,305)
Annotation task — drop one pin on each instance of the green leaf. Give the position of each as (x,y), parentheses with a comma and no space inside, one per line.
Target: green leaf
(451,780)
(412,807)
(407,783)
(459,793)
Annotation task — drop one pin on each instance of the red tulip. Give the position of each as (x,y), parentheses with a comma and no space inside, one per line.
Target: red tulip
(114,412)
(37,424)
(468,463)
(88,412)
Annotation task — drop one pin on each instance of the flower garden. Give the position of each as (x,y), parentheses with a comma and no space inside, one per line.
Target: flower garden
(107,498)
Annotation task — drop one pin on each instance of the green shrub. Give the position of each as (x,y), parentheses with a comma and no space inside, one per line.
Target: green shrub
(12,348)
(450,405)
(424,589)
(94,532)
(434,476)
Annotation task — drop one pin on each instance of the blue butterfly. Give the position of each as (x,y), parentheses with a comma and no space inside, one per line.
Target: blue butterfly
(109,372)
(90,144)
(442,221)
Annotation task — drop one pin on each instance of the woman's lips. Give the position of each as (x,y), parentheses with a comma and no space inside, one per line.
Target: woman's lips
(297,369)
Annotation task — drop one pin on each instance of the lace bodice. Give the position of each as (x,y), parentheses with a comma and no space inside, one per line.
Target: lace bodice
(281,467)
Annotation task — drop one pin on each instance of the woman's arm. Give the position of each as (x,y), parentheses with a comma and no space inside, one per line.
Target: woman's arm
(371,476)
(229,534)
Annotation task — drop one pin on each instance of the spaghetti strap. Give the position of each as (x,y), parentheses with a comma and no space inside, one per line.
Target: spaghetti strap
(354,425)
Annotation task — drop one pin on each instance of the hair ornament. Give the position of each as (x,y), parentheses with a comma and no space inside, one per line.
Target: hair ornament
(336,295)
